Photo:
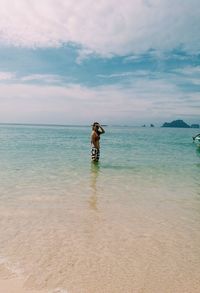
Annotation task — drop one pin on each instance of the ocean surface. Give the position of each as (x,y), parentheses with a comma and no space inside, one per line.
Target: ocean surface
(129,224)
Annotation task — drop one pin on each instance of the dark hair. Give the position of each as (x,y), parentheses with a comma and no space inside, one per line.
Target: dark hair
(95,127)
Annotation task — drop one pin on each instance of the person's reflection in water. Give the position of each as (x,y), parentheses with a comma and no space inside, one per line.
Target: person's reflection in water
(198,155)
(95,167)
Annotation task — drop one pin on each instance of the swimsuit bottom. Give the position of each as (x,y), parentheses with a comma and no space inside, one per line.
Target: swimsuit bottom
(95,153)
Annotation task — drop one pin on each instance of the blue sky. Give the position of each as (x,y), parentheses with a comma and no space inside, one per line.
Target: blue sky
(137,62)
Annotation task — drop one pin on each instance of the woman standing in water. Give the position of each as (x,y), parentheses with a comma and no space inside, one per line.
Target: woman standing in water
(97,130)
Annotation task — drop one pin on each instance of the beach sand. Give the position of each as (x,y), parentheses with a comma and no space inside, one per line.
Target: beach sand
(11,283)
(108,247)
(15,285)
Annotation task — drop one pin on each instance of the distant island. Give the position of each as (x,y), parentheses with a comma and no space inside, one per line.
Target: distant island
(176,123)
(194,126)
(144,125)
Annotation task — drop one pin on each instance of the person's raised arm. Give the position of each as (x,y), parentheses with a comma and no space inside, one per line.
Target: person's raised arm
(101,129)
(195,136)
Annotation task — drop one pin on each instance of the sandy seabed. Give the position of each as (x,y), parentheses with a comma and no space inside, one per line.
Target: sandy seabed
(15,286)
(103,241)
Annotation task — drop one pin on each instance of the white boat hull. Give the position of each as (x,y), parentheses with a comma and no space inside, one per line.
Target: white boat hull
(197,140)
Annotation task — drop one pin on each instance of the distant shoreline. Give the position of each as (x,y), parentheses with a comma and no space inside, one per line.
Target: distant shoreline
(88,126)
(41,124)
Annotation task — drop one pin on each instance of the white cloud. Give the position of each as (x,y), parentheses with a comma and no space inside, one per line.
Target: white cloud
(46,78)
(116,75)
(144,100)
(189,71)
(34,78)
(188,75)
(4,75)
(103,27)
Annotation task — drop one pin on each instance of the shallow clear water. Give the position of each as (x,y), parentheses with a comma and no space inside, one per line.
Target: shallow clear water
(118,226)
(63,153)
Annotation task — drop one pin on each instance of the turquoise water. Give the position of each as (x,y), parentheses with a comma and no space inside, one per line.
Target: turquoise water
(61,155)
(118,226)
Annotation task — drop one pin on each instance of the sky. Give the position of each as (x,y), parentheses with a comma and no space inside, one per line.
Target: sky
(125,62)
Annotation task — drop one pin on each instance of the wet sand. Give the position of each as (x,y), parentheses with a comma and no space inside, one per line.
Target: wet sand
(15,286)
(102,244)
(101,238)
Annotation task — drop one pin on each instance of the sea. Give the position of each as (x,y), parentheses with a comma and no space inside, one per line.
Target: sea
(128,224)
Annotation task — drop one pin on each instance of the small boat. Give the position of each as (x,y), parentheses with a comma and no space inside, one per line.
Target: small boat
(196,139)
